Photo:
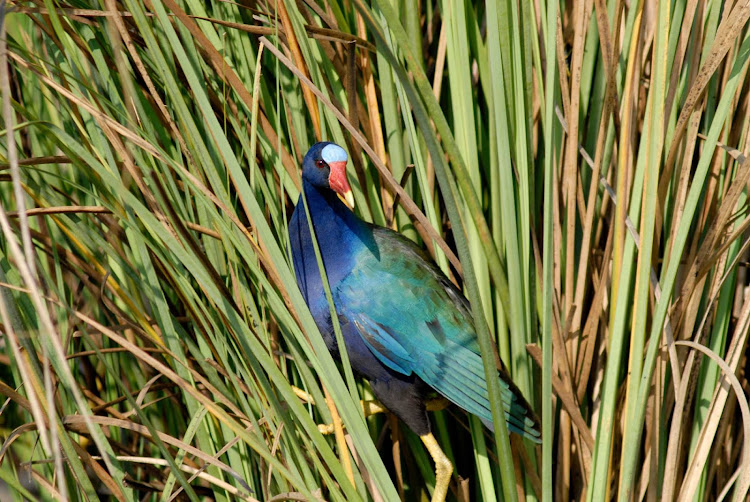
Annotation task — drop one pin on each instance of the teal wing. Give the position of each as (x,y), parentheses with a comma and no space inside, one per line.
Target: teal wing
(415,321)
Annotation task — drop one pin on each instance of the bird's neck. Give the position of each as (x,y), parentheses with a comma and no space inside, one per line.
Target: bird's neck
(332,218)
(341,237)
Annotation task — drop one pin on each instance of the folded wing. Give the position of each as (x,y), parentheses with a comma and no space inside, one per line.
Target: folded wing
(414,321)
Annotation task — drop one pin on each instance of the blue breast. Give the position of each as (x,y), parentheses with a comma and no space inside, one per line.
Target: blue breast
(341,236)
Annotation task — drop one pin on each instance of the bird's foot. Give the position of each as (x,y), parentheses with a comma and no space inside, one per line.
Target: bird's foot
(443,468)
(369,407)
(372,407)
(304,395)
(326,429)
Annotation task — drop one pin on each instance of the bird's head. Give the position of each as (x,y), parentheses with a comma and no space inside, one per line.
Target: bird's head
(325,167)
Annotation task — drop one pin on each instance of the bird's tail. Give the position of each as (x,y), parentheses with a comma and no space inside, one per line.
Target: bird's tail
(519,416)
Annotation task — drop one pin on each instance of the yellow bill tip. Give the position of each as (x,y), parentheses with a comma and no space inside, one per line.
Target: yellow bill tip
(348,198)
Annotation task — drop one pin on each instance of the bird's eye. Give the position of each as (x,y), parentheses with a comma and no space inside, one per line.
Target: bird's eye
(320,163)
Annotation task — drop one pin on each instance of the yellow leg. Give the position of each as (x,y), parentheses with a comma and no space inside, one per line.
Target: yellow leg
(443,467)
(369,408)
(326,429)
(373,407)
(306,397)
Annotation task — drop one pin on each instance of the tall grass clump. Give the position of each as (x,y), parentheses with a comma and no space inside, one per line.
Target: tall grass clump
(578,168)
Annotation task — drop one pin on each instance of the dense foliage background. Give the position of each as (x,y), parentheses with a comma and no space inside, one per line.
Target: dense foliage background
(577,167)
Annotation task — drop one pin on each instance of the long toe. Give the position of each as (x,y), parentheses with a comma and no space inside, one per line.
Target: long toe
(443,467)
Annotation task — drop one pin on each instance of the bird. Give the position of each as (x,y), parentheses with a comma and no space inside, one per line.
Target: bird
(407,329)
